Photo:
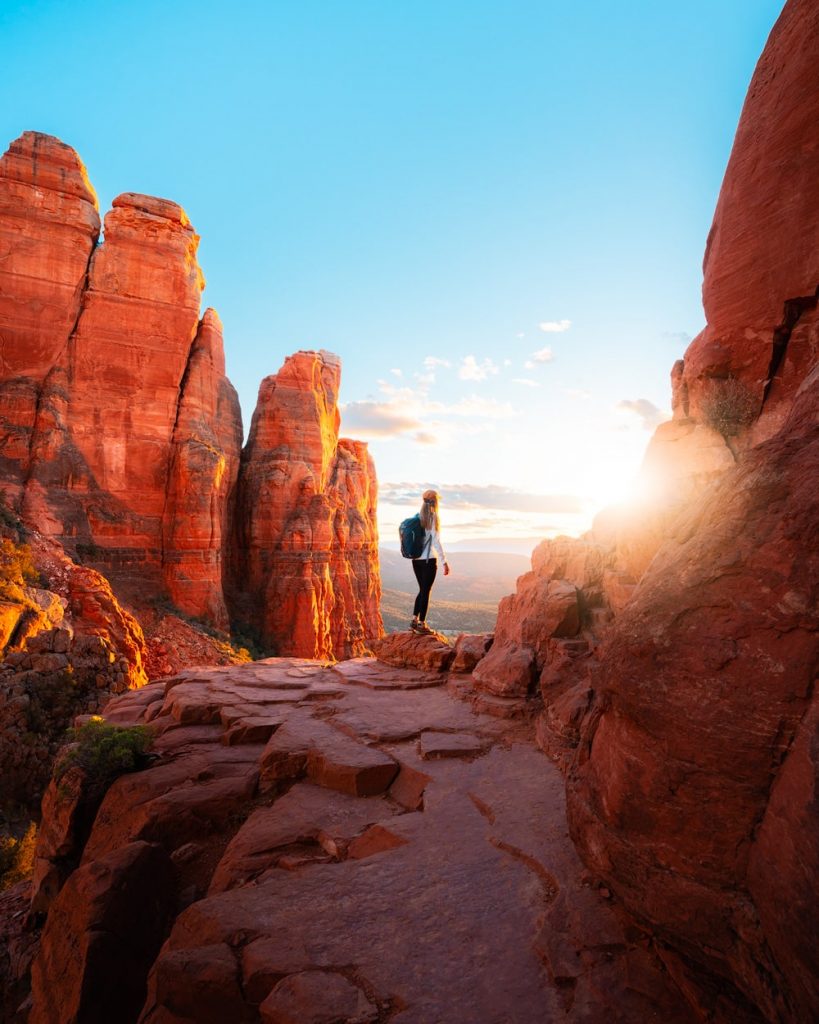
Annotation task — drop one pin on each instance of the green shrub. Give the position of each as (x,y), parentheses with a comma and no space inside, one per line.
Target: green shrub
(105,751)
(17,857)
(728,406)
(16,565)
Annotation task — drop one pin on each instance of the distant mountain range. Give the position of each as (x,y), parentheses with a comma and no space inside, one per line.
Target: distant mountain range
(499,545)
(466,601)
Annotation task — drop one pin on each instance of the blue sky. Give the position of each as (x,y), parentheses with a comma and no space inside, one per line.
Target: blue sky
(436,191)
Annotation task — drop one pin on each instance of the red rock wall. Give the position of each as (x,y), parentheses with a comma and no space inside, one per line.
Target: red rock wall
(762,258)
(49,227)
(693,792)
(305,575)
(207,443)
(124,434)
(102,442)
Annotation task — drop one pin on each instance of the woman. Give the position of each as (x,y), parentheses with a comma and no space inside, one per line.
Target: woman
(426,567)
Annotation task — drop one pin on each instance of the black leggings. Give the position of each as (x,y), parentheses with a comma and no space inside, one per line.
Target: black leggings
(425,570)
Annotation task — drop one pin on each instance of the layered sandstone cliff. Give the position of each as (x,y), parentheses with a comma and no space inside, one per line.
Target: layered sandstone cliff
(676,649)
(306,535)
(123,436)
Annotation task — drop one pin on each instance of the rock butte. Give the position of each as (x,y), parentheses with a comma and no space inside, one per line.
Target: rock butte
(123,436)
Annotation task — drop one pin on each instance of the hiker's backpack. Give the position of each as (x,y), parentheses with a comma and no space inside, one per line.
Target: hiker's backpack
(411,533)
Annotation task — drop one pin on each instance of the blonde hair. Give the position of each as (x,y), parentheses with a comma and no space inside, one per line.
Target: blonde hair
(429,511)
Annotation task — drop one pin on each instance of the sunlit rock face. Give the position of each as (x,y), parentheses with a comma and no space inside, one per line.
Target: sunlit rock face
(693,788)
(197,516)
(680,696)
(762,256)
(123,435)
(108,408)
(306,534)
(49,227)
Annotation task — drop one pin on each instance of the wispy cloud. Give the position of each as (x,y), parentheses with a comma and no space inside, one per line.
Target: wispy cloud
(555,326)
(471,369)
(379,419)
(431,362)
(527,381)
(543,355)
(578,393)
(475,496)
(647,412)
(410,413)
(396,372)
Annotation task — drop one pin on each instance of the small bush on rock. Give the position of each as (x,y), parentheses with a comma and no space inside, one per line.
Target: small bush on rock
(16,566)
(104,751)
(728,406)
(17,857)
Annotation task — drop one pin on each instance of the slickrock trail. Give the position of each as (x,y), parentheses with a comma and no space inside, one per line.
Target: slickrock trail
(350,843)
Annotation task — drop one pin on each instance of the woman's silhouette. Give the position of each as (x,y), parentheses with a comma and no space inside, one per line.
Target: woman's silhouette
(426,567)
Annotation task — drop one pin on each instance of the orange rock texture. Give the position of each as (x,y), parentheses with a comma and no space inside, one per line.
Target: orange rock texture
(49,226)
(679,692)
(345,843)
(306,535)
(762,259)
(124,436)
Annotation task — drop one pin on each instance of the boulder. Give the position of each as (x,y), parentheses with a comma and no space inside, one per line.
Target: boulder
(430,652)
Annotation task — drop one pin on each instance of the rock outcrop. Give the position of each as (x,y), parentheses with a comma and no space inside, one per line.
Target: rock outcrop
(49,226)
(72,647)
(761,262)
(123,436)
(696,775)
(306,534)
(684,679)
(197,515)
(251,872)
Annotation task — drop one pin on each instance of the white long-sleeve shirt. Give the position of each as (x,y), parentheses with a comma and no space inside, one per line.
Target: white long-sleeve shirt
(432,539)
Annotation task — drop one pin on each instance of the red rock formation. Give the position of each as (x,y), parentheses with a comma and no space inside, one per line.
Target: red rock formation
(691,792)
(78,646)
(694,790)
(119,908)
(207,442)
(49,226)
(288,846)
(689,683)
(123,434)
(762,260)
(307,538)
(104,434)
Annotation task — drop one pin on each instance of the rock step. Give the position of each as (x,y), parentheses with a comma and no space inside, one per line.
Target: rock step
(308,747)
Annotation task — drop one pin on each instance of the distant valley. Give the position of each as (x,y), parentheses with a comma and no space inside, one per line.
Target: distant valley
(466,601)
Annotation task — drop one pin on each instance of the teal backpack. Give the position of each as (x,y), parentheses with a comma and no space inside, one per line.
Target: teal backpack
(411,533)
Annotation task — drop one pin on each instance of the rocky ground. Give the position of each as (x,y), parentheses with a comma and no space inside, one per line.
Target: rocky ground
(354,840)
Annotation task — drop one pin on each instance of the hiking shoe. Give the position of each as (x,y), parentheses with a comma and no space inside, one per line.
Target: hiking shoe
(423,629)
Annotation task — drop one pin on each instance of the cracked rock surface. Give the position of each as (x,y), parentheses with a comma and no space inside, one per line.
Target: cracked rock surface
(339,844)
